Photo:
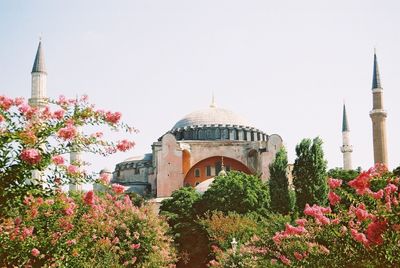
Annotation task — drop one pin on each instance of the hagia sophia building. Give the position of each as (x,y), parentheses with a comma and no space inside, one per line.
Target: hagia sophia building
(209,141)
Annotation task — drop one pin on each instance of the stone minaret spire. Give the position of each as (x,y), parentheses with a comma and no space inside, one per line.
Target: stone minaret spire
(346,148)
(39,80)
(378,116)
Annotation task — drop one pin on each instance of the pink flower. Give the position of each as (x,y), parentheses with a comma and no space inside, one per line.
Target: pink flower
(360,237)
(361,213)
(30,156)
(5,103)
(62,100)
(127,201)
(89,198)
(58,160)
(334,183)
(362,183)
(105,177)
(301,222)
(378,195)
(390,188)
(318,213)
(18,101)
(73,170)
(35,252)
(298,256)
(284,260)
(69,211)
(71,242)
(375,230)
(333,198)
(291,230)
(135,246)
(59,114)
(113,118)
(125,145)
(68,132)
(118,189)
(27,232)
(1,118)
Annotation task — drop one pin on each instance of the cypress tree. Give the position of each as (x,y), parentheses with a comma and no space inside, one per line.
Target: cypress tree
(309,174)
(279,184)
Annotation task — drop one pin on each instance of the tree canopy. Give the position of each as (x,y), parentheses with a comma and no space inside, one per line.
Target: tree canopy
(309,174)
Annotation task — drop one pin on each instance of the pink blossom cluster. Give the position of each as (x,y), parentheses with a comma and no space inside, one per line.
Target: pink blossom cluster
(334,183)
(125,145)
(289,231)
(58,160)
(6,103)
(118,189)
(113,118)
(318,213)
(333,198)
(68,132)
(31,156)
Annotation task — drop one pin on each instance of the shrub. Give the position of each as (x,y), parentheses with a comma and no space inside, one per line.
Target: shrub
(85,230)
(236,192)
(365,233)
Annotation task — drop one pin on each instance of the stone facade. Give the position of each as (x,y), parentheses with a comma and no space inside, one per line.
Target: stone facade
(193,151)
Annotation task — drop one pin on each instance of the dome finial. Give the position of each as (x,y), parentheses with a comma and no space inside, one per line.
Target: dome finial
(212,105)
(223,171)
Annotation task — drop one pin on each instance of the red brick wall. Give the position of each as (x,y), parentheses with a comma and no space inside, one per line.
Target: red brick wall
(191,180)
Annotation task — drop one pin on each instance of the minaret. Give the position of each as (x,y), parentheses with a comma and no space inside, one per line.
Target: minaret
(75,158)
(346,148)
(378,116)
(39,80)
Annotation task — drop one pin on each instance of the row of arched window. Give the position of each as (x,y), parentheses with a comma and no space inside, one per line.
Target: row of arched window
(215,133)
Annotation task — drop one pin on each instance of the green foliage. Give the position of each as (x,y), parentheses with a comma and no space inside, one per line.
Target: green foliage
(221,228)
(236,192)
(346,175)
(189,236)
(279,184)
(396,171)
(309,174)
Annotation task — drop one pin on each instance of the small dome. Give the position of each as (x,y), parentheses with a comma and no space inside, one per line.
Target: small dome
(202,187)
(211,116)
(145,157)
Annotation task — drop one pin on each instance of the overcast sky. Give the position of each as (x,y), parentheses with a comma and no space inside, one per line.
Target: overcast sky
(286,66)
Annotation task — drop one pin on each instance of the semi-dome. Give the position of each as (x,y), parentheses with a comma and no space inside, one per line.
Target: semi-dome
(211,116)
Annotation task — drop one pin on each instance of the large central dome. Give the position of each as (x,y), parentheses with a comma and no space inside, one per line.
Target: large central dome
(211,116)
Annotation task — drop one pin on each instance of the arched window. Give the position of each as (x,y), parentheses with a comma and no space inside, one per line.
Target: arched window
(201,134)
(225,134)
(197,173)
(217,134)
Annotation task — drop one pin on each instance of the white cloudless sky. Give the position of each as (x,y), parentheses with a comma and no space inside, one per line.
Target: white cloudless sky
(286,66)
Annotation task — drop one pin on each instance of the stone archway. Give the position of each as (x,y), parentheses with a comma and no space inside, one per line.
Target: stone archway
(209,168)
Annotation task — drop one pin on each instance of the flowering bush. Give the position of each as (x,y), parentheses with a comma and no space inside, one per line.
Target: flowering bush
(85,230)
(35,140)
(360,227)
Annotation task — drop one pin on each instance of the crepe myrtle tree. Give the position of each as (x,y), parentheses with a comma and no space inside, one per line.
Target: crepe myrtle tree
(35,140)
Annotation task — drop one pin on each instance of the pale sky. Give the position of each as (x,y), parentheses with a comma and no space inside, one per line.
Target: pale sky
(286,66)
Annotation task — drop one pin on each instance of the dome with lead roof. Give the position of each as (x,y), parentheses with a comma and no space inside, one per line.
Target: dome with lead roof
(211,116)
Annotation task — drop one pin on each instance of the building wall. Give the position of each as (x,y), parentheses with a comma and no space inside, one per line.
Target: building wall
(169,166)
(214,163)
